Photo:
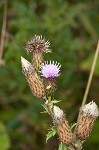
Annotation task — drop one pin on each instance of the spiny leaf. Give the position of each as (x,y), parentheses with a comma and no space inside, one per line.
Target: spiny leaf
(51,133)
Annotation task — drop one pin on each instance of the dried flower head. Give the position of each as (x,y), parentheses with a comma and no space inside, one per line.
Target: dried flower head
(50,70)
(33,79)
(63,128)
(87,117)
(37,44)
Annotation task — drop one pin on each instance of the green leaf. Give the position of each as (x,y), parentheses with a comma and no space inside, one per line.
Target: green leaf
(51,133)
(46,109)
(62,147)
(55,101)
(4,139)
(73,125)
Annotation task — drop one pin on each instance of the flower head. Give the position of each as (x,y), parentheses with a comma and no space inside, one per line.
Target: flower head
(50,70)
(37,44)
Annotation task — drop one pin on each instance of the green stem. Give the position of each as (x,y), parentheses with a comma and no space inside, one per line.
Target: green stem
(49,99)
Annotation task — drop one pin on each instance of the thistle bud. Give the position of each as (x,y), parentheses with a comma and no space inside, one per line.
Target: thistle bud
(37,45)
(63,128)
(86,120)
(34,81)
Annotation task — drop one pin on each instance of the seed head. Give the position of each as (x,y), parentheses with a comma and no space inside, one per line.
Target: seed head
(37,44)
(86,120)
(63,128)
(33,79)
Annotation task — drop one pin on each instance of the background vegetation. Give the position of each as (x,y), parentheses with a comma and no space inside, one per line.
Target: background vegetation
(72,27)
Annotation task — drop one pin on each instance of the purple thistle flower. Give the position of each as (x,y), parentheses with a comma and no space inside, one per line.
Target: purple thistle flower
(50,70)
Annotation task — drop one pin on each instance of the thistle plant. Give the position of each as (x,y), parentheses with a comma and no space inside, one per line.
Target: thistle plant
(41,76)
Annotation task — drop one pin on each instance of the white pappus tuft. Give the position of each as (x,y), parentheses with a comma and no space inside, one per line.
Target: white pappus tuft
(58,115)
(90,109)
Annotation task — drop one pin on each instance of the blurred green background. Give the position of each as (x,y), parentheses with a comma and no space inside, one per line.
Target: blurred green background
(72,27)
